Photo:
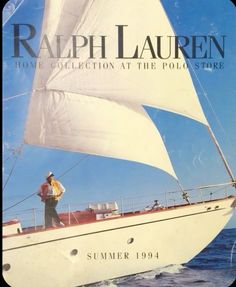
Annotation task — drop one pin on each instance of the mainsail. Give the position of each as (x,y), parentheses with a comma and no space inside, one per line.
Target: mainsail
(100,111)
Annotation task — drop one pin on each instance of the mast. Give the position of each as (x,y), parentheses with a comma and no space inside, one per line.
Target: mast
(222,155)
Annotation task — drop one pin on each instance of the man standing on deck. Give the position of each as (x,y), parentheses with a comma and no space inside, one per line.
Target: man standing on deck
(51,192)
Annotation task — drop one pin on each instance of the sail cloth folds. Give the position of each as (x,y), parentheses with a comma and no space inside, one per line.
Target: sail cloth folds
(163,87)
(79,105)
(96,126)
(60,18)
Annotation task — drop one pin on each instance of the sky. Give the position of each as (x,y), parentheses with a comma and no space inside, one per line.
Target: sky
(95,179)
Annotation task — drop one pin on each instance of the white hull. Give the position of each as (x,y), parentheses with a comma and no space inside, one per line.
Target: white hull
(174,236)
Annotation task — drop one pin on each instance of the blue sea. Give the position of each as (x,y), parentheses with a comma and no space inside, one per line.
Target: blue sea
(215,266)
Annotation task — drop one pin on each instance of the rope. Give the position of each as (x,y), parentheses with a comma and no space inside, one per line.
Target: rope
(10,173)
(200,84)
(68,170)
(5,160)
(19,202)
(63,174)
(16,96)
(22,94)
(11,14)
(210,105)
(205,95)
(205,187)
(13,167)
(203,90)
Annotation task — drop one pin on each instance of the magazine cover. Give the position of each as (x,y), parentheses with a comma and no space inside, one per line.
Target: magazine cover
(119,143)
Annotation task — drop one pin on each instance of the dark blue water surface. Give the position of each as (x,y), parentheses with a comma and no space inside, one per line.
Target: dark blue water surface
(215,266)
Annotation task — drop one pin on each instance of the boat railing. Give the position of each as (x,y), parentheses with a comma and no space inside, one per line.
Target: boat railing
(34,217)
(175,198)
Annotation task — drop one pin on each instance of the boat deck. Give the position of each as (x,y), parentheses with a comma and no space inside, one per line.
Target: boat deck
(90,216)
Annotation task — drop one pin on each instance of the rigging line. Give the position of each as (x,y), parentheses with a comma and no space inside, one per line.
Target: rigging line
(205,187)
(16,96)
(209,103)
(9,176)
(212,133)
(19,202)
(201,86)
(68,170)
(5,160)
(221,154)
(13,12)
(13,167)
(22,94)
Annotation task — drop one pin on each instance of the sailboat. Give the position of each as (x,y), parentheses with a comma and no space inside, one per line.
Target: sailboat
(86,101)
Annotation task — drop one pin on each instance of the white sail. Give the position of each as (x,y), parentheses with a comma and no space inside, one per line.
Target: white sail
(96,126)
(75,122)
(168,89)
(99,111)
(60,18)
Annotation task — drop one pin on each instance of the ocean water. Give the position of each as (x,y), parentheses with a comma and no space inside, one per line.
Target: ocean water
(215,266)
